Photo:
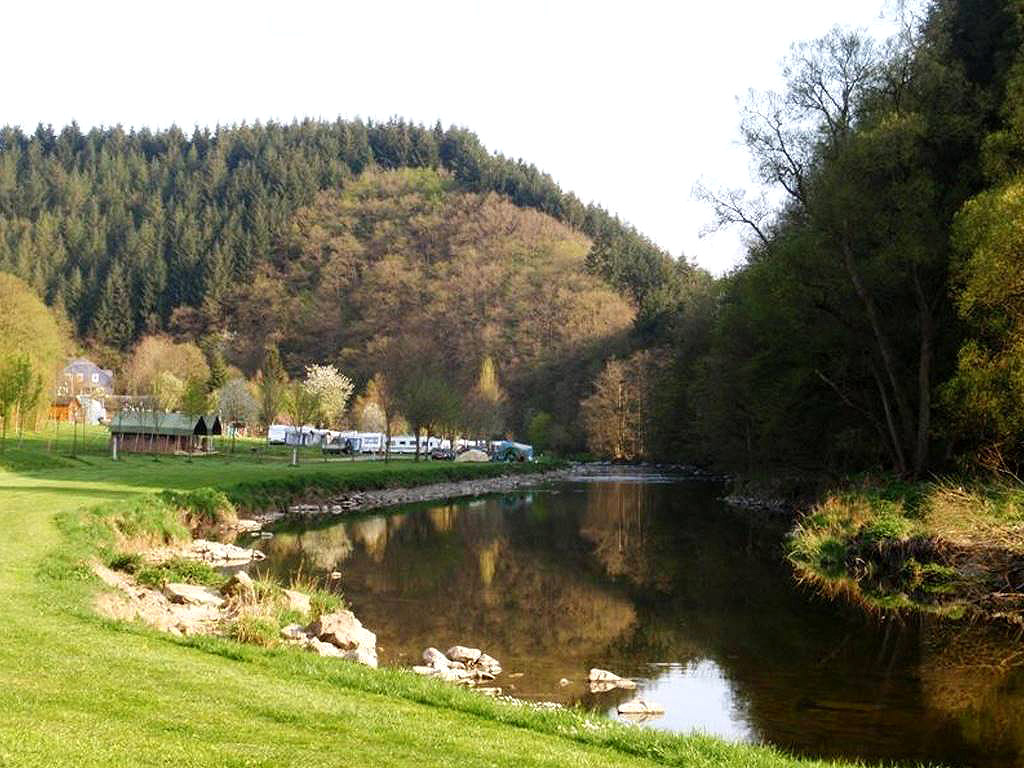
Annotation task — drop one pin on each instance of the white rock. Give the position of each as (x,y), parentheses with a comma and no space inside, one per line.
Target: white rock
(344,630)
(241,583)
(564,682)
(464,654)
(488,664)
(361,655)
(640,707)
(434,658)
(602,680)
(324,648)
(193,594)
(294,632)
(426,671)
(456,675)
(215,552)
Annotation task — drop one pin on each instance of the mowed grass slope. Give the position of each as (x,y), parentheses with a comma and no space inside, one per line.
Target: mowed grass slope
(77,690)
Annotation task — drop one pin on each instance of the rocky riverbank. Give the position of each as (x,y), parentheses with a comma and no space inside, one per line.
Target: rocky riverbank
(188,600)
(236,609)
(362,501)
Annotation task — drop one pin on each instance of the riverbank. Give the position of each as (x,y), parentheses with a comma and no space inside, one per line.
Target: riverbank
(84,690)
(366,500)
(946,548)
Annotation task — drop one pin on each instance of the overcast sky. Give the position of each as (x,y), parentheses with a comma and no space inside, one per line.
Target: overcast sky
(627,104)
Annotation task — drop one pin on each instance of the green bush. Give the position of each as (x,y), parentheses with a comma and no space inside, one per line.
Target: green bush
(202,506)
(323,601)
(129,562)
(255,630)
(180,570)
(888,526)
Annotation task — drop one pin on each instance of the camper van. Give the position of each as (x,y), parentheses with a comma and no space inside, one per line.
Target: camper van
(277,434)
(284,434)
(407,444)
(349,442)
(403,444)
(371,442)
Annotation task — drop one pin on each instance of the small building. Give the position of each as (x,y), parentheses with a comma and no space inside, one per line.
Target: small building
(81,409)
(84,377)
(164,432)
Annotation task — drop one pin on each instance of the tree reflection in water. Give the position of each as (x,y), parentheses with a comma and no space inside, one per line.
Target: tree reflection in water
(661,582)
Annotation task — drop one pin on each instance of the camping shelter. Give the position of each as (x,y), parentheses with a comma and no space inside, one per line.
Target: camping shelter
(163,432)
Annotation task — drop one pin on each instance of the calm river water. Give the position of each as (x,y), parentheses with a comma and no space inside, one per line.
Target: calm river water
(656,580)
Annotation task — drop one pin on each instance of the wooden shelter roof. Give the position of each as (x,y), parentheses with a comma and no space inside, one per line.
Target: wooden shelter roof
(169,423)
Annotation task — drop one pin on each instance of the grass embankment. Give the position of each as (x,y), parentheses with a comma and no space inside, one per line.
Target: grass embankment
(947,548)
(76,689)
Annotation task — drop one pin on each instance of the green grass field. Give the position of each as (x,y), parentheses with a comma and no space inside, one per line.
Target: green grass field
(77,690)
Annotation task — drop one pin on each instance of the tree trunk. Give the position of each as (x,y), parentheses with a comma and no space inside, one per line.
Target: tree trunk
(924,383)
(882,342)
(896,447)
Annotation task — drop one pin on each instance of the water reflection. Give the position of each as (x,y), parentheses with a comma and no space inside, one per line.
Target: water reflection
(660,582)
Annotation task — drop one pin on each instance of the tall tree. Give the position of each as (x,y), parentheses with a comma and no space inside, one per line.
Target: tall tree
(273,380)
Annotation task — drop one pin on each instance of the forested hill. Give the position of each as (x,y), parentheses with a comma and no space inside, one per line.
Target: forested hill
(406,263)
(124,229)
(877,322)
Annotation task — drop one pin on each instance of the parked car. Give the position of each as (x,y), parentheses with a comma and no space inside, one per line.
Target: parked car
(341,445)
(442,454)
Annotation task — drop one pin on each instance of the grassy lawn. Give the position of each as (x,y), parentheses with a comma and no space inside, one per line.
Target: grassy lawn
(79,690)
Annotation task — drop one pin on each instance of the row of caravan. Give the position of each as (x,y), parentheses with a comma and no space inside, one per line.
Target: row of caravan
(334,441)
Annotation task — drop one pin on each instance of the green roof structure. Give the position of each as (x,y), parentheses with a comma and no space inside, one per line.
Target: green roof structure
(171,424)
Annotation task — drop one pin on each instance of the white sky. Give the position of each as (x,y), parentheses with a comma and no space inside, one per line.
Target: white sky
(627,104)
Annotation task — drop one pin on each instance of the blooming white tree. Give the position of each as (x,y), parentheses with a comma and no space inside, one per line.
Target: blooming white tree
(237,406)
(236,403)
(331,387)
(370,417)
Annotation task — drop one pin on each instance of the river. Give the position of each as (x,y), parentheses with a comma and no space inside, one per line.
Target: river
(653,578)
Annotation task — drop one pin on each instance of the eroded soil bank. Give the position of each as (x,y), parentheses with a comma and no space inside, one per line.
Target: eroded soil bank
(950,549)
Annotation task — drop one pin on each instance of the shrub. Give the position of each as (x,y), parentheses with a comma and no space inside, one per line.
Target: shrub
(255,630)
(887,526)
(323,601)
(129,562)
(179,570)
(202,507)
